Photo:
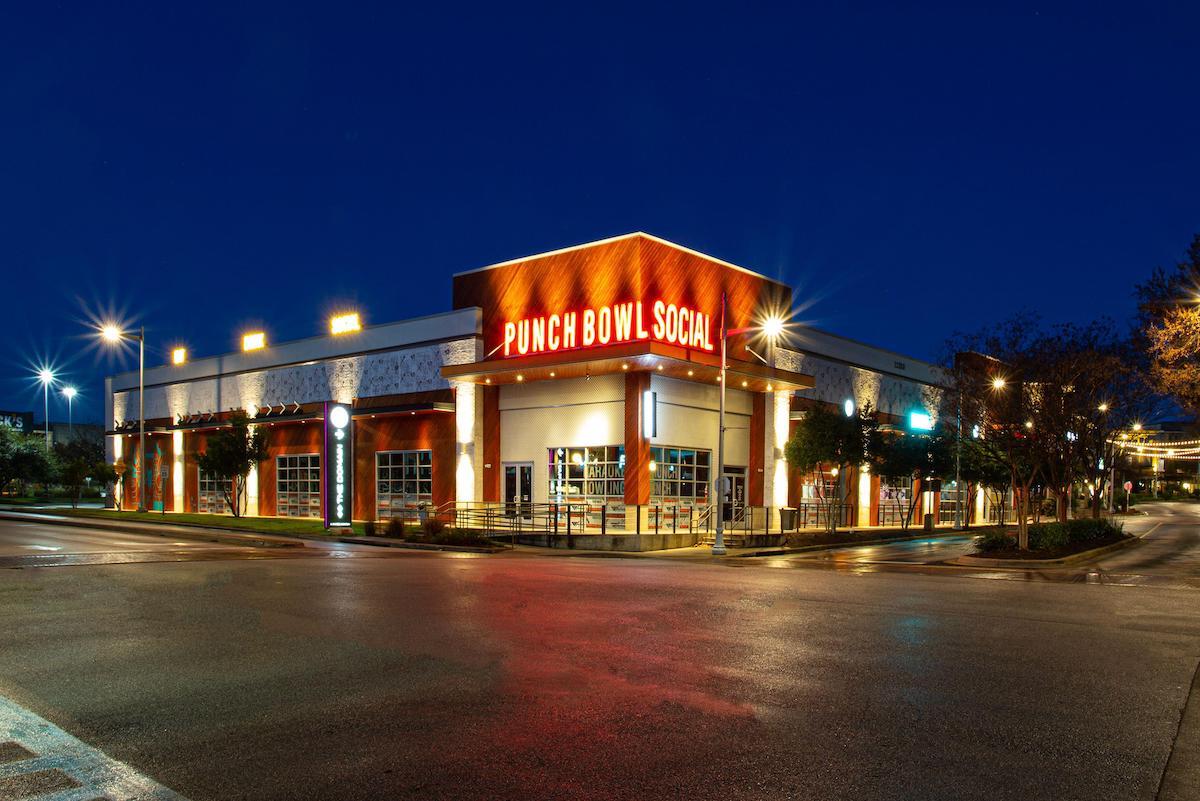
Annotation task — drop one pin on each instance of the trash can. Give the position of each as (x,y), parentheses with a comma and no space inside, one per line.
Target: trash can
(787,518)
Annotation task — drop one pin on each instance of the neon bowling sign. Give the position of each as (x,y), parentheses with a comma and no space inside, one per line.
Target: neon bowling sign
(633,321)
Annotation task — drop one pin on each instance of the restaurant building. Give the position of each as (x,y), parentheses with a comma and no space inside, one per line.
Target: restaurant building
(572,389)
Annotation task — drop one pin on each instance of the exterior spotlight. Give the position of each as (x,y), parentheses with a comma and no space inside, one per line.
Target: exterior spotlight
(1103,407)
(848,407)
(345,323)
(178,355)
(1137,426)
(998,383)
(110,332)
(255,340)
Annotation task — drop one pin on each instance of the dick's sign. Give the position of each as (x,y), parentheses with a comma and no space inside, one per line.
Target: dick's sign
(339,466)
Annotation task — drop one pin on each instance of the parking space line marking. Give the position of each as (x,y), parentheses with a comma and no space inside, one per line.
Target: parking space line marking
(99,774)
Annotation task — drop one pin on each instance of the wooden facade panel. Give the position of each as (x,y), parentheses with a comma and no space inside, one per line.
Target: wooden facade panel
(430,431)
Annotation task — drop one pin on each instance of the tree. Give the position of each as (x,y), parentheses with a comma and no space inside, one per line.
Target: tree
(896,455)
(78,461)
(23,460)
(1047,403)
(1169,317)
(828,441)
(230,455)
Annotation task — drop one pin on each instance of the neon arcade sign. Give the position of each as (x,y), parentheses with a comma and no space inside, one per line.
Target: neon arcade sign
(339,466)
(632,321)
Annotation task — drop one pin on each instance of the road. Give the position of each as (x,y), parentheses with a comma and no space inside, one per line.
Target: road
(432,676)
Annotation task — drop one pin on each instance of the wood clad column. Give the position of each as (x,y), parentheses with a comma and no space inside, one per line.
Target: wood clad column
(491,443)
(637,448)
(756,481)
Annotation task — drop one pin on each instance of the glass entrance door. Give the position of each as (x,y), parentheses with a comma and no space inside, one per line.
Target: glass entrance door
(733,502)
(518,489)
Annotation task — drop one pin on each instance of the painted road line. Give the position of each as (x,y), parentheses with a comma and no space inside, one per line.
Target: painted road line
(60,767)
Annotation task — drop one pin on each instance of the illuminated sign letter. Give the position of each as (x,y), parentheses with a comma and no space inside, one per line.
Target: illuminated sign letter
(660,324)
(539,335)
(623,322)
(510,336)
(552,340)
(569,330)
(589,327)
(338,469)
(642,333)
(523,337)
(604,325)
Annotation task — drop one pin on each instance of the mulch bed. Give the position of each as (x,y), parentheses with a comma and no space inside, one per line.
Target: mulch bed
(1052,553)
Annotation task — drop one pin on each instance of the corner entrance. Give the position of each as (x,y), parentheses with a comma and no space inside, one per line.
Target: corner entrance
(518,490)
(733,497)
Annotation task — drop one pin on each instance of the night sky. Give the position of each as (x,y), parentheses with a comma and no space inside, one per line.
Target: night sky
(911,172)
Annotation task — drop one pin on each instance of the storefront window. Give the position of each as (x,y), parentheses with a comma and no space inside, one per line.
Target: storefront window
(298,485)
(403,482)
(894,498)
(593,477)
(680,474)
(209,499)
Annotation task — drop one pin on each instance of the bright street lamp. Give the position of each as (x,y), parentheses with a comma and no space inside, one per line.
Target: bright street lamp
(998,383)
(46,376)
(69,393)
(113,334)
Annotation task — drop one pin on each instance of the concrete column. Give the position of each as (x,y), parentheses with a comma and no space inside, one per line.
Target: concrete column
(468,418)
(864,497)
(774,441)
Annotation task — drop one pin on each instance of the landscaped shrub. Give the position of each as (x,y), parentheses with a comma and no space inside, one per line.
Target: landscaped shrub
(369,528)
(433,527)
(395,528)
(1088,529)
(1048,536)
(994,540)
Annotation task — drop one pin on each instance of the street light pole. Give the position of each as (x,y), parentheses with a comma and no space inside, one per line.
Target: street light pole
(718,548)
(958,495)
(46,411)
(69,394)
(113,333)
(142,416)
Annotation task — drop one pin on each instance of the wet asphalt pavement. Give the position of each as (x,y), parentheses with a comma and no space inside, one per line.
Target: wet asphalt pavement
(409,675)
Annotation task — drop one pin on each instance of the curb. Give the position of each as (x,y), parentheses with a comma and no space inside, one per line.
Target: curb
(982,561)
(379,542)
(855,544)
(222,535)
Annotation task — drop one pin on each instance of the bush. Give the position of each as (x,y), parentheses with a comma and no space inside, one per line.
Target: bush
(1048,536)
(369,528)
(395,528)
(995,540)
(1088,529)
(433,528)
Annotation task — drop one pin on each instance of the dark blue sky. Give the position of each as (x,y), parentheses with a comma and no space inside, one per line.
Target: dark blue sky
(910,171)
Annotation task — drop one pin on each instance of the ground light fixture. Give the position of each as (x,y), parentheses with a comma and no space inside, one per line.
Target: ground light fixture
(113,334)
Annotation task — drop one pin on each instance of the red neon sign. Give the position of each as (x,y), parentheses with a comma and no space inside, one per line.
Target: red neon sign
(609,325)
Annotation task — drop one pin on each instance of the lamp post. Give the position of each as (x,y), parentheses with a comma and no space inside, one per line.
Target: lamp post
(958,495)
(46,376)
(69,393)
(113,334)
(772,328)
